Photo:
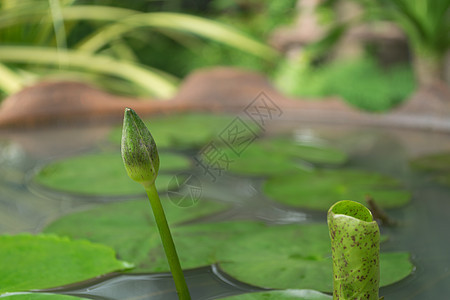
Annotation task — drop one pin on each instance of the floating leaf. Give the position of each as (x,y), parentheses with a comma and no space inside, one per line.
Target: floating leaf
(293,256)
(283,295)
(290,256)
(129,228)
(183,131)
(438,164)
(321,154)
(40,296)
(319,189)
(45,261)
(276,156)
(258,161)
(103,174)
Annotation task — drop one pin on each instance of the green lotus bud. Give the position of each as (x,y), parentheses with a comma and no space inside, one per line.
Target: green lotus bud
(355,246)
(139,152)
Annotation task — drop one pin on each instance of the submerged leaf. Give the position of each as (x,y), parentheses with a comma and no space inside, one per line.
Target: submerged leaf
(317,190)
(45,261)
(103,174)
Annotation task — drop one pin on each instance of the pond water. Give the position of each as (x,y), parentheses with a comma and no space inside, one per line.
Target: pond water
(423,225)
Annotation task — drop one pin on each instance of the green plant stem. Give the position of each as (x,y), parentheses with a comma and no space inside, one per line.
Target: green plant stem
(167,241)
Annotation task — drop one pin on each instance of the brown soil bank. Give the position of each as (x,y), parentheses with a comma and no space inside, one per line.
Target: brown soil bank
(218,89)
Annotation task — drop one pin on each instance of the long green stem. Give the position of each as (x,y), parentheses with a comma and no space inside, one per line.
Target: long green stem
(167,241)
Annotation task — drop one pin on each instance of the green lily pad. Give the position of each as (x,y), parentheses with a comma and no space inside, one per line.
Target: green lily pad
(320,189)
(40,296)
(283,295)
(272,156)
(313,153)
(290,256)
(184,131)
(104,174)
(257,160)
(45,261)
(438,164)
(129,228)
(295,257)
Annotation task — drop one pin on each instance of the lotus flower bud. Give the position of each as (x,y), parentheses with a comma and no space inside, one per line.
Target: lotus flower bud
(139,152)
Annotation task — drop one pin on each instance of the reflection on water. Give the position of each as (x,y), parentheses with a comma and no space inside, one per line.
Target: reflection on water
(423,229)
(204,283)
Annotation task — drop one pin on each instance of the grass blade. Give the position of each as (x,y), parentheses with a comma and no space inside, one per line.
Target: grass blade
(153,82)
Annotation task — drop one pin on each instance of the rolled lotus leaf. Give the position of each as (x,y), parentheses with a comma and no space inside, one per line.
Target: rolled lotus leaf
(355,246)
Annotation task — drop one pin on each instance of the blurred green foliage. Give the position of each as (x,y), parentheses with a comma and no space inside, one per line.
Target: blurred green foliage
(254,18)
(170,53)
(361,82)
(109,45)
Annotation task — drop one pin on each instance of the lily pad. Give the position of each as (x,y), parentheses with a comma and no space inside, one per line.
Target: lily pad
(283,295)
(273,156)
(45,261)
(185,131)
(40,296)
(104,174)
(257,160)
(295,257)
(289,256)
(129,228)
(438,164)
(313,153)
(319,190)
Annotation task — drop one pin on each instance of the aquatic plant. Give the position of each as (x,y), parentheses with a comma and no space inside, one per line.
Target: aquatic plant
(355,246)
(141,160)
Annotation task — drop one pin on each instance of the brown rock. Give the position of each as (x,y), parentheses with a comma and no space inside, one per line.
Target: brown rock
(217,89)
(62,103)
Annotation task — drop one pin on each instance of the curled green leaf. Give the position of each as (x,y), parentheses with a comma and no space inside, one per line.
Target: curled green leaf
(139,152)
(355,246)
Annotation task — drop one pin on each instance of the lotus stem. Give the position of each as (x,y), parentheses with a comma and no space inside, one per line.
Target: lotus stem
(141,160)
(355,246)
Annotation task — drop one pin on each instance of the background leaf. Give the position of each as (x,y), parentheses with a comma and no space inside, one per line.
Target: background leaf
(40,296)
(184,131)
(154,83)
(104,174)
(266,157)
(320,189)
(313,153)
